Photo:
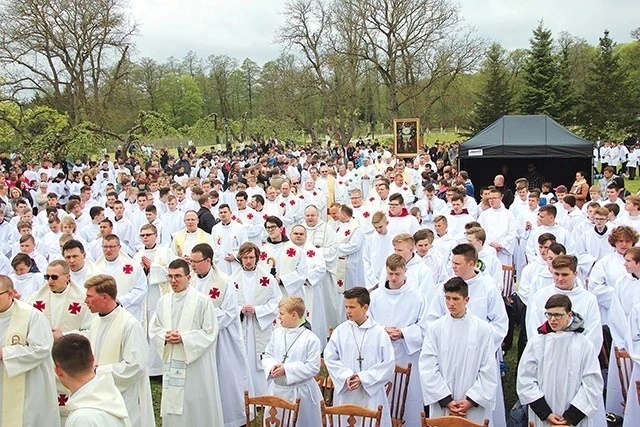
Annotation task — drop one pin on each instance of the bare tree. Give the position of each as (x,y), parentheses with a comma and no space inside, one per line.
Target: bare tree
(636,34)
(69,52)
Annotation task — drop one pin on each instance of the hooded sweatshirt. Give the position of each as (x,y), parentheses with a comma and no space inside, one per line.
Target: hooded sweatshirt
(97,404)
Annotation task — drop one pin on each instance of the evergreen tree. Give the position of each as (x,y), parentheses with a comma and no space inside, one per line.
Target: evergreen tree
(539,92)
(494,101)
(565,93)
(605,101)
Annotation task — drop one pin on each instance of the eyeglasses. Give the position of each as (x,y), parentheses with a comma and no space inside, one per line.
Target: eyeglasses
(5,292)
(394,205)
(271,227)
(51,276)
(194,261)
(145,235)
(599,219)
(171,277)
(556,316)
(110,247)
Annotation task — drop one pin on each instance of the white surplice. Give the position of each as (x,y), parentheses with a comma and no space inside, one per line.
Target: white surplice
(370,343)
(227,240)
(604,275)
(458,361)
(97,403)
(379,247)
(302,364)
(131,281)
(405,309)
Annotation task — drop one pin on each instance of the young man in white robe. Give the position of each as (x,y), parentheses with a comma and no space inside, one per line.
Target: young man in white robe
(154,259)
(285,260)
(547,224)
(361,211)
(258,298)
(183,331)
(129,275)
(400,220)
(249,218)
(350,270)
(120,347)
(231,359)
(25,281)
(94,400)
(123,228)
(424,249)
(632,345)
(185,239)
(559,374)
(485,301)
(226,237)
(457,362)
(400,307)
(592,243)
(80,268)
(500,227)
(292,360)
(457,218)
(488,261)
(27,384)
(360,357)
(62,303)
(379,246)
(430,206)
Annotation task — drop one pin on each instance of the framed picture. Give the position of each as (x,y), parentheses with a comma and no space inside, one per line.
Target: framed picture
(407,137)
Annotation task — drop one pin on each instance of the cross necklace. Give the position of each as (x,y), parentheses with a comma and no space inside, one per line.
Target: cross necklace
(359,348)
(286,353)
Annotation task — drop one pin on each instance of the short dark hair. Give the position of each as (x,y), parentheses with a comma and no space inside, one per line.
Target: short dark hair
(361,294)
(95,211)
(273,220)
(205,249)
(467,251)
(545,237)
(72,353)
(73,244)
(396,197)
(179,263)
(558,248)
(559,300)
(457,285)
(549,209)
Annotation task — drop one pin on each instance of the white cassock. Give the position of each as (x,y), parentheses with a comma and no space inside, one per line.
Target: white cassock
(315,197)
(378,204)
(492,265)
(429,209)
(626,219)
(522,236)
(324,238)
(632,338)
(418,275)
(292,210)
(591,246)
(379,247)
(231,358)
(190,389)
(405,223)
(173,221)
(436,264)
(131,281)
(582,302)
(158,286)
(260,289)
(406,309)
(289,264)
(444,244)
(562,236)
(604,275)
(313,293)
(25,336)
(86,272)
(458,361)
(485,301)
(350,252)
(561,367)
(341,189)
(527,284)
(456,223)
(364,215)
(27,284)
(227,240)
(120,348)
(500,226)
(252,223)
(365,350)
(184,241)
(301,365)
(97,403)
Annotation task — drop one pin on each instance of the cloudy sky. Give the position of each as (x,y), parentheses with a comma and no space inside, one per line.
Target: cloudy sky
(246,28)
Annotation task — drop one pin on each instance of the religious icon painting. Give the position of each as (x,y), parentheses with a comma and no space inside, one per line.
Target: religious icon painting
(406,137)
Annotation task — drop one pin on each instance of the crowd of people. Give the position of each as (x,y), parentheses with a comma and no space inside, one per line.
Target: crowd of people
(217,273)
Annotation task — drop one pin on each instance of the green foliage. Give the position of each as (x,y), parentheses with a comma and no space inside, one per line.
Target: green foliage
(494,101)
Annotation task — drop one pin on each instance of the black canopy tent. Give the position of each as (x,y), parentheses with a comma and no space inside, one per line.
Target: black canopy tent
(515,142)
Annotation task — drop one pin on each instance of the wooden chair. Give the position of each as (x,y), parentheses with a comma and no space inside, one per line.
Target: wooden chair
(326,385)
(625,367)
(507,280)
(350,416)
(638,391)
(450,422)
(532,424)
(397,394)
(275,410)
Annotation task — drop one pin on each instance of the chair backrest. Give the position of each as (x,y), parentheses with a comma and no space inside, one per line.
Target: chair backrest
(276,412)
(507,280)
(450,422)
(325,383)
(350,416)
(397,393)
(625,366)
(532,424)
(638,391)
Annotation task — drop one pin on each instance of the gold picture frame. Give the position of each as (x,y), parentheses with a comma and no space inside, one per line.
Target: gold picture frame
(406,134)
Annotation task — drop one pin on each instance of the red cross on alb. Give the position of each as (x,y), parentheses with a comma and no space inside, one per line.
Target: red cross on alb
(366,214)
(311,253)
(62,399)
(291,252)
(264,281)
(292,202)
(128,269)
(74,308)
(340,283)
(39,305)
(250,216)
(346,233)
(263,256)
(214,293)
